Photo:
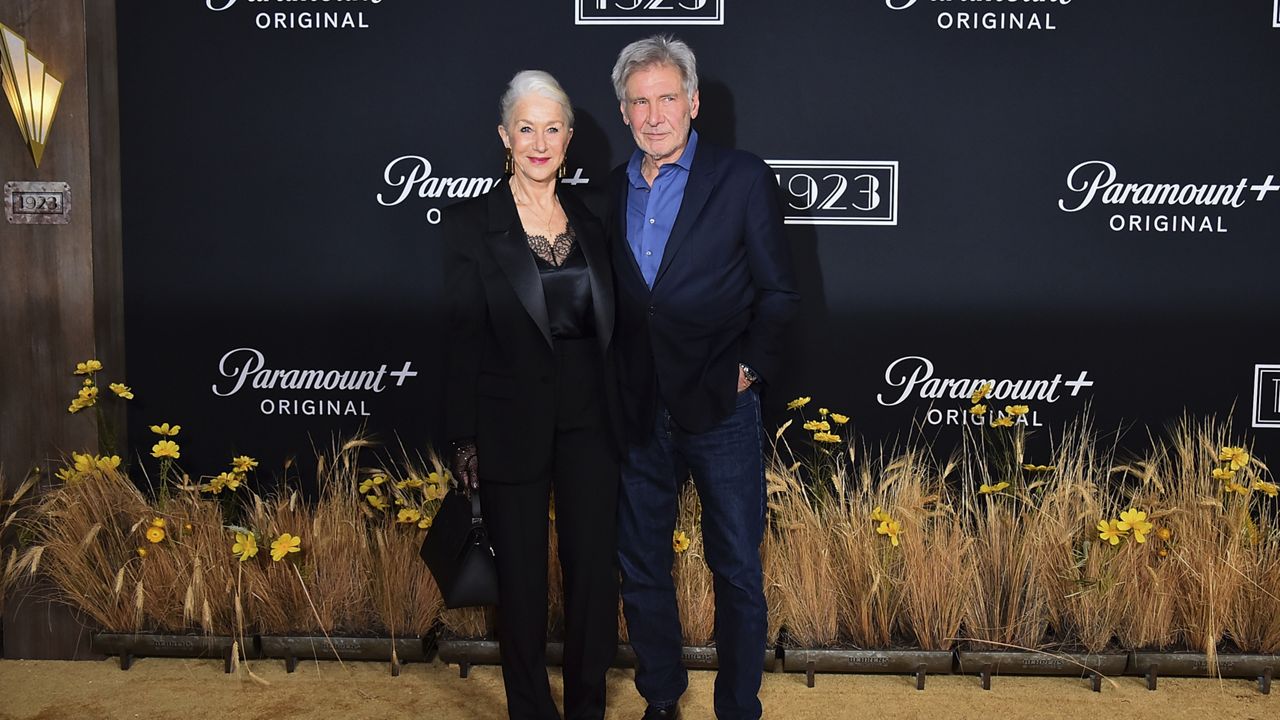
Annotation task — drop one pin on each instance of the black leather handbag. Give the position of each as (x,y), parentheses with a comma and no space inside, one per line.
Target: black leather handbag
(458,553)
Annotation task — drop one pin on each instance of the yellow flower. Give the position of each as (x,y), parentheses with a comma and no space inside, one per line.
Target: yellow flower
(165,448)
(158,522)
(891,528)
(1163,553)
(215,485)
(187,527)
(413,482)
(982,391)
(88,366)
(1136,521)
(978,410)
(366,486)
(1039,468)
(243,464)
(122,390)
(76,406)
(824,412)
(1005,421)
(246,546)
(799,402)
(826,437)
(228,480)
(1223,474)
(408,516)
(165,430)
(67,474)
(84,463)
(1164,533)
(142,552)
(88,394)
(679,541)
(1234,487)
(107,462)
(424,523)
(376,501)
(1017,410)
(1265,487)
(986,489)
(155,534)
(879,515)
(1110,531)
(839,419)
(435,492)
(284,545)
(822,425)
(1237,456)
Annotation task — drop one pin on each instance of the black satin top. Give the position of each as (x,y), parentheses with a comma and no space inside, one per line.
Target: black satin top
(567,289)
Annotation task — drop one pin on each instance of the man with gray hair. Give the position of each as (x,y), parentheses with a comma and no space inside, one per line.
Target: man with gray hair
(704,292)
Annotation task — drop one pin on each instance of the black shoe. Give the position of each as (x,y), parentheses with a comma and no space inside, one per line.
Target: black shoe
(654,712)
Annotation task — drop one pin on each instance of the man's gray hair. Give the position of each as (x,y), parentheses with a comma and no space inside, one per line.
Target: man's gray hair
(534,82)
(656,50)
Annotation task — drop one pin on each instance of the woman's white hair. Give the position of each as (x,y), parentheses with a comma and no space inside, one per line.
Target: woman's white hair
(534,82)
(656,50)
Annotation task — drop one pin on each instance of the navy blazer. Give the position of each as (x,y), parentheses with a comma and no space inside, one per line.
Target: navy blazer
(500,362)
(724,293)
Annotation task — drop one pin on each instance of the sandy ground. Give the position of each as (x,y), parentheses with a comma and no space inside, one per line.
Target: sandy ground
(165,688)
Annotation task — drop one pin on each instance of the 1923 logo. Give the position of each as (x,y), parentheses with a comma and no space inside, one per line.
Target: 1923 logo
(648,12)
(1266,396)
(838,192)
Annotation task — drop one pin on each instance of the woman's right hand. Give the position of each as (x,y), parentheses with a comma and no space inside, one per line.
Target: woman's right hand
(466,466)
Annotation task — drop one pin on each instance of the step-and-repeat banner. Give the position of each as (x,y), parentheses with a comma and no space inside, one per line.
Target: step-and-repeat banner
(1075,199)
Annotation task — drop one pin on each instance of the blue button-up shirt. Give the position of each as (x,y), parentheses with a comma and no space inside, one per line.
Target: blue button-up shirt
(651,211)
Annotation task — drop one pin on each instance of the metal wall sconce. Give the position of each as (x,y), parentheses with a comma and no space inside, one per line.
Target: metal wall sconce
(33,93)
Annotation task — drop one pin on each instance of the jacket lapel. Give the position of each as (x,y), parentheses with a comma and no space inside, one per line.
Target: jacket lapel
(505,238)
(622,192)
(591,240)
(696,191)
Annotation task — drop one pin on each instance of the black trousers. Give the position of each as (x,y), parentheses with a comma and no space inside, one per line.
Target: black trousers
(584,474)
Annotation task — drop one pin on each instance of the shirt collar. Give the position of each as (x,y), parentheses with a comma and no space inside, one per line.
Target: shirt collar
(685,161)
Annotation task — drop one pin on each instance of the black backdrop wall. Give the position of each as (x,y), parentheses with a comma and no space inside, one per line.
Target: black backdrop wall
(1083,193)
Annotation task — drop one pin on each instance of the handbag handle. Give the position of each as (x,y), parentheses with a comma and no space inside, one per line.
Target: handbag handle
(476,517)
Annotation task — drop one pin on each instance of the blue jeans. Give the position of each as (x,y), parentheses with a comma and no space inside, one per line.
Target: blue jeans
(727,465)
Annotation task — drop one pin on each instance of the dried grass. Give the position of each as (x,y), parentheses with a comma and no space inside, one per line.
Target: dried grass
(86,539)
(695,593)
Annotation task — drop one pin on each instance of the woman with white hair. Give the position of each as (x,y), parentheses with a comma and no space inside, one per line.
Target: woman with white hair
(528,391)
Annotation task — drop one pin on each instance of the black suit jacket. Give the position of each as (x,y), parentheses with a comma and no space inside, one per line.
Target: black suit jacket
(500,362)
(724,293)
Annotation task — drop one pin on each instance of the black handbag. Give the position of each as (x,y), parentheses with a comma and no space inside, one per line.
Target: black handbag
(458,553)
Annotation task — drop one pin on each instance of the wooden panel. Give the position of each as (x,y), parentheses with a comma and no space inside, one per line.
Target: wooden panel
(60,285)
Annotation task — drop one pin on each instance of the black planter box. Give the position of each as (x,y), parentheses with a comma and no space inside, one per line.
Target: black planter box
(907,662)
(130,645)
(466,653)
(1092,665)
(1187,664)
(293,648)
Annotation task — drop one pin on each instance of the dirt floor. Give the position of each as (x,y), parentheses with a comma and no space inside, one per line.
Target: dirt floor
(163,688)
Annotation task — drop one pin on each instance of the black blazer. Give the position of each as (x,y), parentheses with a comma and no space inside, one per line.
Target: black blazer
(500,366)
(724,293)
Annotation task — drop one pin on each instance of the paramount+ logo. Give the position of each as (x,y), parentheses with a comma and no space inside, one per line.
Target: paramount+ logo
(648,12)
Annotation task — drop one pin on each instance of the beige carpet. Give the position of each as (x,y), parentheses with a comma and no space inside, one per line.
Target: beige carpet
(197,689)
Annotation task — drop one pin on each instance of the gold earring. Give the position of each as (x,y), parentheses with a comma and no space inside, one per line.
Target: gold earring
(562,171)
(509,166)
